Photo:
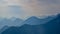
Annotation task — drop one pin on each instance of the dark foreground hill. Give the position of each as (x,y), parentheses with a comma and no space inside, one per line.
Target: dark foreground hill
(25,29)
(53,26)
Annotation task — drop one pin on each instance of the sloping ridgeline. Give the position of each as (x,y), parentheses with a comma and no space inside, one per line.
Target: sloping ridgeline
(25,29)
(51,27)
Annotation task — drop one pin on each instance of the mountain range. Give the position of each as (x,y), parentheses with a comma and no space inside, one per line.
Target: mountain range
(10,22)
(36,21)
(19,22)
(33,26)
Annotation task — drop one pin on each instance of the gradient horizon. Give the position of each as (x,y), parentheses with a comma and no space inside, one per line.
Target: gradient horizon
(28,8)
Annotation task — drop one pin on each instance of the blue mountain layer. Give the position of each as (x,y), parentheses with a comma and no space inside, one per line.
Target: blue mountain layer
(51,27)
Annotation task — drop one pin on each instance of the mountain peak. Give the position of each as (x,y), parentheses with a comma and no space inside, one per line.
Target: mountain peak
(32,20)
(33,17)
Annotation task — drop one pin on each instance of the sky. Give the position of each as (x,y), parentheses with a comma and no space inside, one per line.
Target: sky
(26,8)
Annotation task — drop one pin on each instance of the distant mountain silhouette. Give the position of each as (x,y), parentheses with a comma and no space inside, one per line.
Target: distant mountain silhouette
(53,26)
(36,21)
(11,22)
(17,22)
(32,21)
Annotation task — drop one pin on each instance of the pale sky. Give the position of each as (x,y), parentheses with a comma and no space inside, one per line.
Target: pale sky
(24,8)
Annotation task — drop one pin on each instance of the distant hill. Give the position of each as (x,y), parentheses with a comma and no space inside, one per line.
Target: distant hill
(37,21)
(11,22)
(17,22)
(32,21)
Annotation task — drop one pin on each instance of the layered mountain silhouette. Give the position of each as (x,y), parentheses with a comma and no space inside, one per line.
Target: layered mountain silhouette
(34,25)
(19,22)
(37,21)
(12,22)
